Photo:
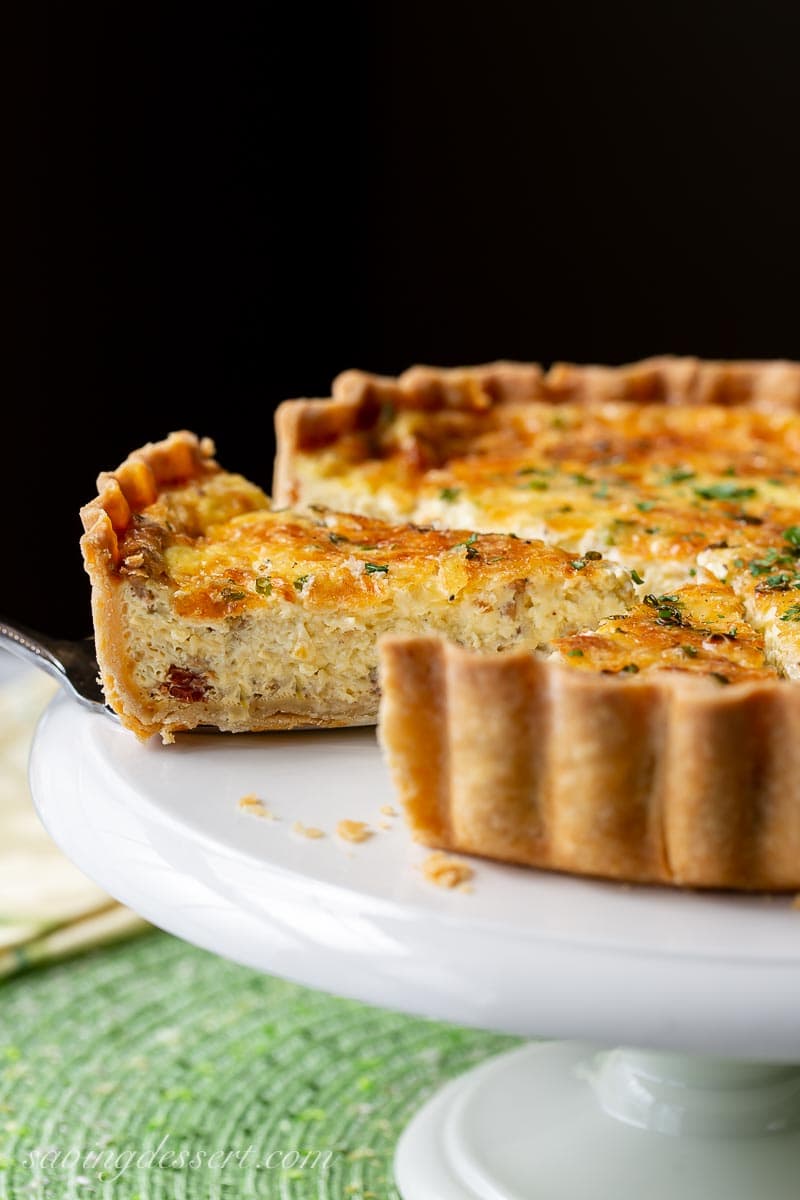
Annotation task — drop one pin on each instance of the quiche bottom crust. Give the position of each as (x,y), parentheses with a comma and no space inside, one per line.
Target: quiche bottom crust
(659,778)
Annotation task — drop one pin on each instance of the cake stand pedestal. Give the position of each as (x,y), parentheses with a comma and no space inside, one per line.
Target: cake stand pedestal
(710,983)
(565,1120)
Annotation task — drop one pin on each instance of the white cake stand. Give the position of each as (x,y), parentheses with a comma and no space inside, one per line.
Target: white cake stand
(710,983)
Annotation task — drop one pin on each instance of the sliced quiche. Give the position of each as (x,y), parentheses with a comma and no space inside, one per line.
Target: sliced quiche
(211,608)
(661,744)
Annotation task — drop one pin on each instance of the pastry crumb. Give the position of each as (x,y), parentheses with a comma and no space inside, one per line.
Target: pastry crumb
(307,831)
(353,831)
(446,872)
(257,808)
(388,811)
(385,825)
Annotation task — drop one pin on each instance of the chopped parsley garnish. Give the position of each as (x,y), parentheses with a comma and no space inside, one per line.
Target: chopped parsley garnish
(630,669)
(725,491)
(574,654)
(792,535)
(776,583)
(449,494)
(532,471)
(602,492)
(636,577)
(581,479)
(645,505)
(689,651)
(300,582)
(792,613)
(678,475)
(336,538)
(232,593)
(263,585)
(469,545)
(667,609)
(732,632)
(535,485)
(372,568)
(589,556)
(368,546)
(772,558)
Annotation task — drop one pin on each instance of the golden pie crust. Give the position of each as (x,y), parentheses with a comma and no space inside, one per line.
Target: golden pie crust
(660,776)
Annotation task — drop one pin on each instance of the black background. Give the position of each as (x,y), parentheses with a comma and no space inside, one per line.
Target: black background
(215,211)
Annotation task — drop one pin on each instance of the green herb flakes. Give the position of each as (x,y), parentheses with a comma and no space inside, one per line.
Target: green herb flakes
(725,491)
(678,475)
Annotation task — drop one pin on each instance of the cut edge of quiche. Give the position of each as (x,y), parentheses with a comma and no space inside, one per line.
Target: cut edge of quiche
(212,608)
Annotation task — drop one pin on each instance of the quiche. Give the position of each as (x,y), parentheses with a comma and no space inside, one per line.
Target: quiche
(212,608)
(661,743)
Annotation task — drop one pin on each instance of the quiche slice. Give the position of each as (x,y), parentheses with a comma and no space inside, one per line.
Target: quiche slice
(211,608)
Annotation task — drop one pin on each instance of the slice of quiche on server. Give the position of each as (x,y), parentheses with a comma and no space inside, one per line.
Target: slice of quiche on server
(211,608)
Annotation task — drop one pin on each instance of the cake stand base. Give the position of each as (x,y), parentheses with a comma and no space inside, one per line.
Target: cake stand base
(564,1121)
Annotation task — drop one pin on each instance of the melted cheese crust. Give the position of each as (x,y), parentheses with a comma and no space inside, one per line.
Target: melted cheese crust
(678,495)
(220,559)
(701,629)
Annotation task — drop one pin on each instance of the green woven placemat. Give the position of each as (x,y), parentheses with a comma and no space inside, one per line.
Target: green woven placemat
(155,1047)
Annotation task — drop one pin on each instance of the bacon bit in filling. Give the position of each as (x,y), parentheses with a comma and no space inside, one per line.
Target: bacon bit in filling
(183,684)
(353,831)
(446,872)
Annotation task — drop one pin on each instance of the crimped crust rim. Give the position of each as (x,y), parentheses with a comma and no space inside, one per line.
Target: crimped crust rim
(137,482)
(701,755)
(358,397)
